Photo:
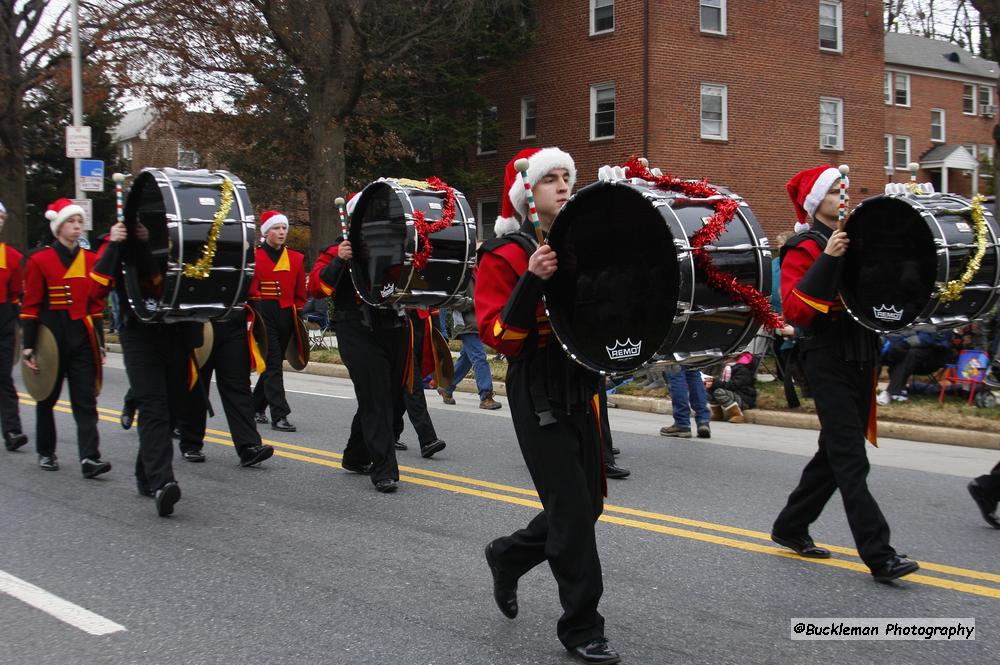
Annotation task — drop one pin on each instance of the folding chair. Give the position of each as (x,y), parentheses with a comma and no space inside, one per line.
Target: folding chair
(317,336)
(970,369)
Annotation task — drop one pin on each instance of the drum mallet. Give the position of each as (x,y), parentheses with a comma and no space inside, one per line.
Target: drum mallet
(119,178)
(521,166)
(914,167)
(842,208)
(343,216)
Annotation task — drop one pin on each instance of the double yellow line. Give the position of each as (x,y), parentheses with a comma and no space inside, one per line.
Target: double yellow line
(671,525)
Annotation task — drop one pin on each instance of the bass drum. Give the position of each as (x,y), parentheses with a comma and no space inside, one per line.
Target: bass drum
(903,249)
(384,240)
(169,214)
(627,290)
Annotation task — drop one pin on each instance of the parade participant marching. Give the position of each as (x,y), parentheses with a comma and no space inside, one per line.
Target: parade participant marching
(10,302)
(277,292)
(840,359)
(59,295)
(552,403)
(985,491)
(372,343)
(410,399)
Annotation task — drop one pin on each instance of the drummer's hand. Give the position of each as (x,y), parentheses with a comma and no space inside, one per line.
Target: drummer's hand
(344,251)
(28,355)
(543,262)
(837,244)
(786,331)
(117,233)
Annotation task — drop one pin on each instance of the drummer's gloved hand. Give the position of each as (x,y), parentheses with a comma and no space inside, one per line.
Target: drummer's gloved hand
(607,173)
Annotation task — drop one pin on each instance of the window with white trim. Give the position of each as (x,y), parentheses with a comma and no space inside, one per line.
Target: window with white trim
(831,123)
(901,90)
(489,208)
(830,25)
(985,97)
(125,150)
(528,115)
(887,88)
(602,111)
(187,159)
(937,125)
(901,152)
(486,134)
(714,111)
(985,160)
(969,99)
(887,157)
(713,16)
(971,147)
(602,16)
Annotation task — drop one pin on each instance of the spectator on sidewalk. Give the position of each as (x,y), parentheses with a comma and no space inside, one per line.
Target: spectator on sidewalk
(734,391)
(472,356)
(917,353)
(687,392)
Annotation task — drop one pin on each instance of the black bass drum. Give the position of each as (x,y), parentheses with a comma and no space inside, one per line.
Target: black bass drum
(904,248)
(169,214)
(385,241)
(627,290)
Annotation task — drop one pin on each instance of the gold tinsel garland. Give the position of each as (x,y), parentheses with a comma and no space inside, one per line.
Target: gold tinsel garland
(952,291)
(201,268)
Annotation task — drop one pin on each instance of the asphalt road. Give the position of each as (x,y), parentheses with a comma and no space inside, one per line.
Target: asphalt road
(301,562)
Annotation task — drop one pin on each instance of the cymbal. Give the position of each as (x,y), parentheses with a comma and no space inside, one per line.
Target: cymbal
(41,385)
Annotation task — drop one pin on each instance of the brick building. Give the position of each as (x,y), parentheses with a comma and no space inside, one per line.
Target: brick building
(720,89)
(144,138)
(940,110)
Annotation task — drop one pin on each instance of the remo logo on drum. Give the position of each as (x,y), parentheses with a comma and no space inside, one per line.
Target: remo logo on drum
(889,313)
(622,350)
(388,290)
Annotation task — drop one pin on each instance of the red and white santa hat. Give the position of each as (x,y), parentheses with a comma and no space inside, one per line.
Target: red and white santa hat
(807,189)
(59,211)
(271,218)
(515,201)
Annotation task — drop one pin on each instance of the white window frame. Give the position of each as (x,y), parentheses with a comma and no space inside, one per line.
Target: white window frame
(906,161)
(901,78)
(979,97)
(195,157)
(839,17)
(593,22)
(943,136)
(479,134)
(889,148)
(975,98)
(722,16)
(481,226)
(126,150)
(887,89)
(594,90)
(840,122)
(988,172)
(524,117)
(724,125)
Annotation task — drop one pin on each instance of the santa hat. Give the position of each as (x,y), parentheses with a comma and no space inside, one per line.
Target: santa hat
(271,218)
(59,211)
(807,189)
(2,209)
(801,226)
(515,201)
(352,203)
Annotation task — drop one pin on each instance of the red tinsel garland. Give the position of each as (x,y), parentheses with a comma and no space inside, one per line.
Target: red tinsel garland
(725,210)
(424,230)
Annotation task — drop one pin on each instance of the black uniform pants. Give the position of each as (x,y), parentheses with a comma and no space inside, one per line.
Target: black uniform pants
(414,404)
(564,460)
(230,362)
(10,415)
(375,359)
(156,361)
(76,366)
(991,482)
(270,388)
(843,393)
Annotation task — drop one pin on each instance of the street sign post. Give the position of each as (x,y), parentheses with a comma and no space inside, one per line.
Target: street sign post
(91,175)
(78,142)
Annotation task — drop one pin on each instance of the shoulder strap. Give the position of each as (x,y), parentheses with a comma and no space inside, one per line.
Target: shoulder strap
(526,242)
(799,238)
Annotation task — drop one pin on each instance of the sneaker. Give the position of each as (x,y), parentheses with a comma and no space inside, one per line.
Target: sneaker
(675,431)
(446,396)
(93,467)
(48,462)
(489,403)
(900,398)
(883,398)
(704,431)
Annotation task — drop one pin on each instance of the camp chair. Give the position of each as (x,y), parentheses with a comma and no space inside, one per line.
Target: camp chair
(317,336)
(970,369)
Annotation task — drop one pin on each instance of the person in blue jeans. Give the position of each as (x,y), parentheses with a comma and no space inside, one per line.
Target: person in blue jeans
(687,392)
(472,356)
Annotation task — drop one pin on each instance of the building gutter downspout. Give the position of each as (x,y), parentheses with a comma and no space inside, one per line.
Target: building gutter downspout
(645,79)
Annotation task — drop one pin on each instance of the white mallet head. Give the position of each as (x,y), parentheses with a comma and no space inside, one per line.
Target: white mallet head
(339,201)
(521,164)
(844,169)
(118,177)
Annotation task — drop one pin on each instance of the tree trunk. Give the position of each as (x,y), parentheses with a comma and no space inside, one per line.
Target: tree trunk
(12,168)
(326,168)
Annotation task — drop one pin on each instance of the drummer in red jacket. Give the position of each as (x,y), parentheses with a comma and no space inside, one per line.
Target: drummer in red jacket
(277,292)
(10,302)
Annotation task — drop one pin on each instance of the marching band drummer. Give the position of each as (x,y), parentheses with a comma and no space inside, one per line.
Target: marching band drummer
(10,302)
(840,358)
(277,292)
(553,403)
(59,294)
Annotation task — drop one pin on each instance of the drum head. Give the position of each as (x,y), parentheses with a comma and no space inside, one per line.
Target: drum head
(147,249)
(891,264)
(613,299)
(41,385)
(378,239)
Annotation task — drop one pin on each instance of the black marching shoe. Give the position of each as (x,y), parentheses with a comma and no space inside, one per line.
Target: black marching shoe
(616,452)
(363,469)
(612,470)
(987,506)
(261,418)
(92,467)
(143,489)
(48,462)
(14,440)
(387,485)
(435,446)
(505,595)
(596,652)
(127,417)
(399,445)
(166,497)
(282,425)
(803,546)
(193,456)
(894,568)
(255,454)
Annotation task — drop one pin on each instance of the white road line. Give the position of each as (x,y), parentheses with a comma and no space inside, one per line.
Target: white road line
(63,610)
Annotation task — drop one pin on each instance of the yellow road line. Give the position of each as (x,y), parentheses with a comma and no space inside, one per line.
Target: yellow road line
(432,479)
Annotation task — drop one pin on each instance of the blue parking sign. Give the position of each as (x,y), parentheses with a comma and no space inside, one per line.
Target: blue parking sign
(91,175)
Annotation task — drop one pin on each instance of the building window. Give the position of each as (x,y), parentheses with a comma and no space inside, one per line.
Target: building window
(830,22)
(971,147)
(528,111)
(187,159)
(486,139)
(969,99)
(937,125)
(602,111)
(125,150)
(985,161)
(986,100)
(713,16)
(902,90)
(602,16)
(714,105)
(901,152)
(831,123)
(489,208)
(887,88)
(888,153)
